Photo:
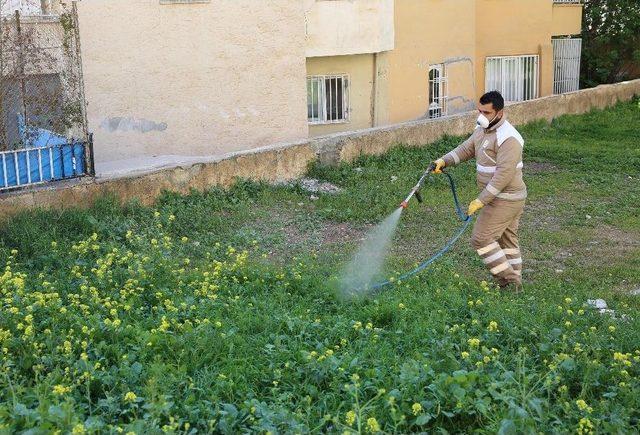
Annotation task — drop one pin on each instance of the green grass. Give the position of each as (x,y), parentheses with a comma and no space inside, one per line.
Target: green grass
(216,311)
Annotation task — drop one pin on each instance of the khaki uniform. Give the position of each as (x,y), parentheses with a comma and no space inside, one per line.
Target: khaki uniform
(498,154)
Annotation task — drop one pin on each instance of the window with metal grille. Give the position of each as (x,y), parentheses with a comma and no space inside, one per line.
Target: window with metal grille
(566,64)
(328,99)
(437,91)
(516,77)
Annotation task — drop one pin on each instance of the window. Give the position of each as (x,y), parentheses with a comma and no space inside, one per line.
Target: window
(516,77)
(437,91)
(566,64)
(328,99)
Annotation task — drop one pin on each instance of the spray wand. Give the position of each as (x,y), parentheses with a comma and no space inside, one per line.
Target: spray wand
(416,189)
(464,218)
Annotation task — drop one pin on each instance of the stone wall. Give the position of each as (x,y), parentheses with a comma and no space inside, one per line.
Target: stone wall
(290,161)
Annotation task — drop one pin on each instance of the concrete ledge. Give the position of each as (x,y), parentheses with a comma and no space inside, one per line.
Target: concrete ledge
(289,161)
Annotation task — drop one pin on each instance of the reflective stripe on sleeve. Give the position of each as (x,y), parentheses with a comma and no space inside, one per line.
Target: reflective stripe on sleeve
(485,169)
(513,196)
(492,189)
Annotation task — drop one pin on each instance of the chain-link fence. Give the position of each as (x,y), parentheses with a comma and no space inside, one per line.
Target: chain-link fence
(41,94)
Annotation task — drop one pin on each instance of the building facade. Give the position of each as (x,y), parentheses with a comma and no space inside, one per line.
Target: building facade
(445,55)
(166,81)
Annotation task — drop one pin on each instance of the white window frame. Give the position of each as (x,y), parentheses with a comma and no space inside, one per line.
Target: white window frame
(322,91)
(517,78)
(566,64)
(438,91)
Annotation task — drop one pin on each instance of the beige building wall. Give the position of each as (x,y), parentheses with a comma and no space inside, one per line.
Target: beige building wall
(191,79)
(339,27)
(460,35)
(507,28)
(427,32)
(360,70)
(208,79)
(567,19)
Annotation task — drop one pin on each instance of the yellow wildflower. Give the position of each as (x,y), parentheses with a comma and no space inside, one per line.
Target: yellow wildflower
(582,406)
(416,408)
(130,397)
(61,390)
(350,418)
(473,342)
(372,425)
(585,426)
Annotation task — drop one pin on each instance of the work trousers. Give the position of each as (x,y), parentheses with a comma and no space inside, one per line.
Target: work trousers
(495,239)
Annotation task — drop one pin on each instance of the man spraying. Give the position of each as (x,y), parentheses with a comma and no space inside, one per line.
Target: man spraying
(497,147)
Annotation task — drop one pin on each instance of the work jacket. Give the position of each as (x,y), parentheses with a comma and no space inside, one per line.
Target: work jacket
(498,153)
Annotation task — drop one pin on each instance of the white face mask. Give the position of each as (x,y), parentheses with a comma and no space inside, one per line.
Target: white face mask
(484,122)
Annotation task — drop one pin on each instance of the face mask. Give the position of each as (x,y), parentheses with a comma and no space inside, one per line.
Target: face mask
(484,122)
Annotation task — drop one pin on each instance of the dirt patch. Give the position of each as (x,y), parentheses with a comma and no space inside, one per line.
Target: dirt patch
(333,233)
(543,214)
(609,245)
(614,236)
(539,167)
(289,232)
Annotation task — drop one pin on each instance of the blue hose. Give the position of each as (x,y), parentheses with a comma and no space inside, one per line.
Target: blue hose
(466,220)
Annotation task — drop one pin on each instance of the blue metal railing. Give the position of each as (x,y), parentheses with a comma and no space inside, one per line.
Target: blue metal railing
(31,166)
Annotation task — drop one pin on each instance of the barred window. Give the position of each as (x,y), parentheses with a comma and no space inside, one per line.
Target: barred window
(516,77)
(437,91)
(328,99)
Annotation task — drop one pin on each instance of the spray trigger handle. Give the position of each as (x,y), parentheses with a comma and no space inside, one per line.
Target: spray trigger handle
(418,196)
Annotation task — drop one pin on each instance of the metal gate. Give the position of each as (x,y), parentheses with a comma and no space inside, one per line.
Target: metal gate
(43,126)
(566,64)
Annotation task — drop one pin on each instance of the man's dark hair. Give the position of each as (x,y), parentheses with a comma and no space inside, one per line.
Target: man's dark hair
(495,98)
